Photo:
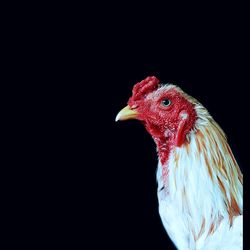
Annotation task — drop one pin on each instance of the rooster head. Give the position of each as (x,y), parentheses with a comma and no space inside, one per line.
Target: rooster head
(165,110)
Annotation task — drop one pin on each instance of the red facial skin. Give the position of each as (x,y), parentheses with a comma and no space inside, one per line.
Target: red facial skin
(167,125)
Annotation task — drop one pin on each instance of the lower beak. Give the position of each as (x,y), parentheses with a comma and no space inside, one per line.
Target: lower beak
(126,114)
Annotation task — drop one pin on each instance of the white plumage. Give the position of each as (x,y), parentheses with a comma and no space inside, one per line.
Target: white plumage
(199,181)
(200,202)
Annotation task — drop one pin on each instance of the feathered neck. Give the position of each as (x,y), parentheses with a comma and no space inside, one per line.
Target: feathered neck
(204,175)
(210,146)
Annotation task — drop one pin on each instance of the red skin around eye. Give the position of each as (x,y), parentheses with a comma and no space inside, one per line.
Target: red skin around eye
(167,125)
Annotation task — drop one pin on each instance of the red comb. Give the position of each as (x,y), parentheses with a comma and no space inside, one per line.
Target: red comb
(144,87)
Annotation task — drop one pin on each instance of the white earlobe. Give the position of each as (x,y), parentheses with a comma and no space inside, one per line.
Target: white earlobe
(183,115)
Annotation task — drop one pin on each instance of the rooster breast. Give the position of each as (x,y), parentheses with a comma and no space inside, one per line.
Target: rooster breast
(178,222)
(192,205)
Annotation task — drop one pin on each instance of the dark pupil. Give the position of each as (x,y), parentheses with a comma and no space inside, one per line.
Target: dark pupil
(165,102)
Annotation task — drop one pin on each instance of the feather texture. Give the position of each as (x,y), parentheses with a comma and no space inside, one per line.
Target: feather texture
(200,184)
(201,202)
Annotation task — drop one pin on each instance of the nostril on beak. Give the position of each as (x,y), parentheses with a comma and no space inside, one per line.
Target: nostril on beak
(134,106)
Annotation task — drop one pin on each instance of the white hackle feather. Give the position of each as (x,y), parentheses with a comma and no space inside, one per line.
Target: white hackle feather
(200,202)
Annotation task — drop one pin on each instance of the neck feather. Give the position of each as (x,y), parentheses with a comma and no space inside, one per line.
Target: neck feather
(204,175)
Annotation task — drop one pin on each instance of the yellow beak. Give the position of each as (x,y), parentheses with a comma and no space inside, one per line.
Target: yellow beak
(126,114)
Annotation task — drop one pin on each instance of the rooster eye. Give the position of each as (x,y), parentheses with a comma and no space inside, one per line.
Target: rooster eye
(165,102)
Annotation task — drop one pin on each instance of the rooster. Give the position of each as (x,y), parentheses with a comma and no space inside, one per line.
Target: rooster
(199,181)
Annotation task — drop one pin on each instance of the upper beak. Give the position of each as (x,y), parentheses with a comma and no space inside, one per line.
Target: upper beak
(126,113)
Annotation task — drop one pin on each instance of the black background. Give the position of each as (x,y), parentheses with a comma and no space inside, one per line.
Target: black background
(93,180)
